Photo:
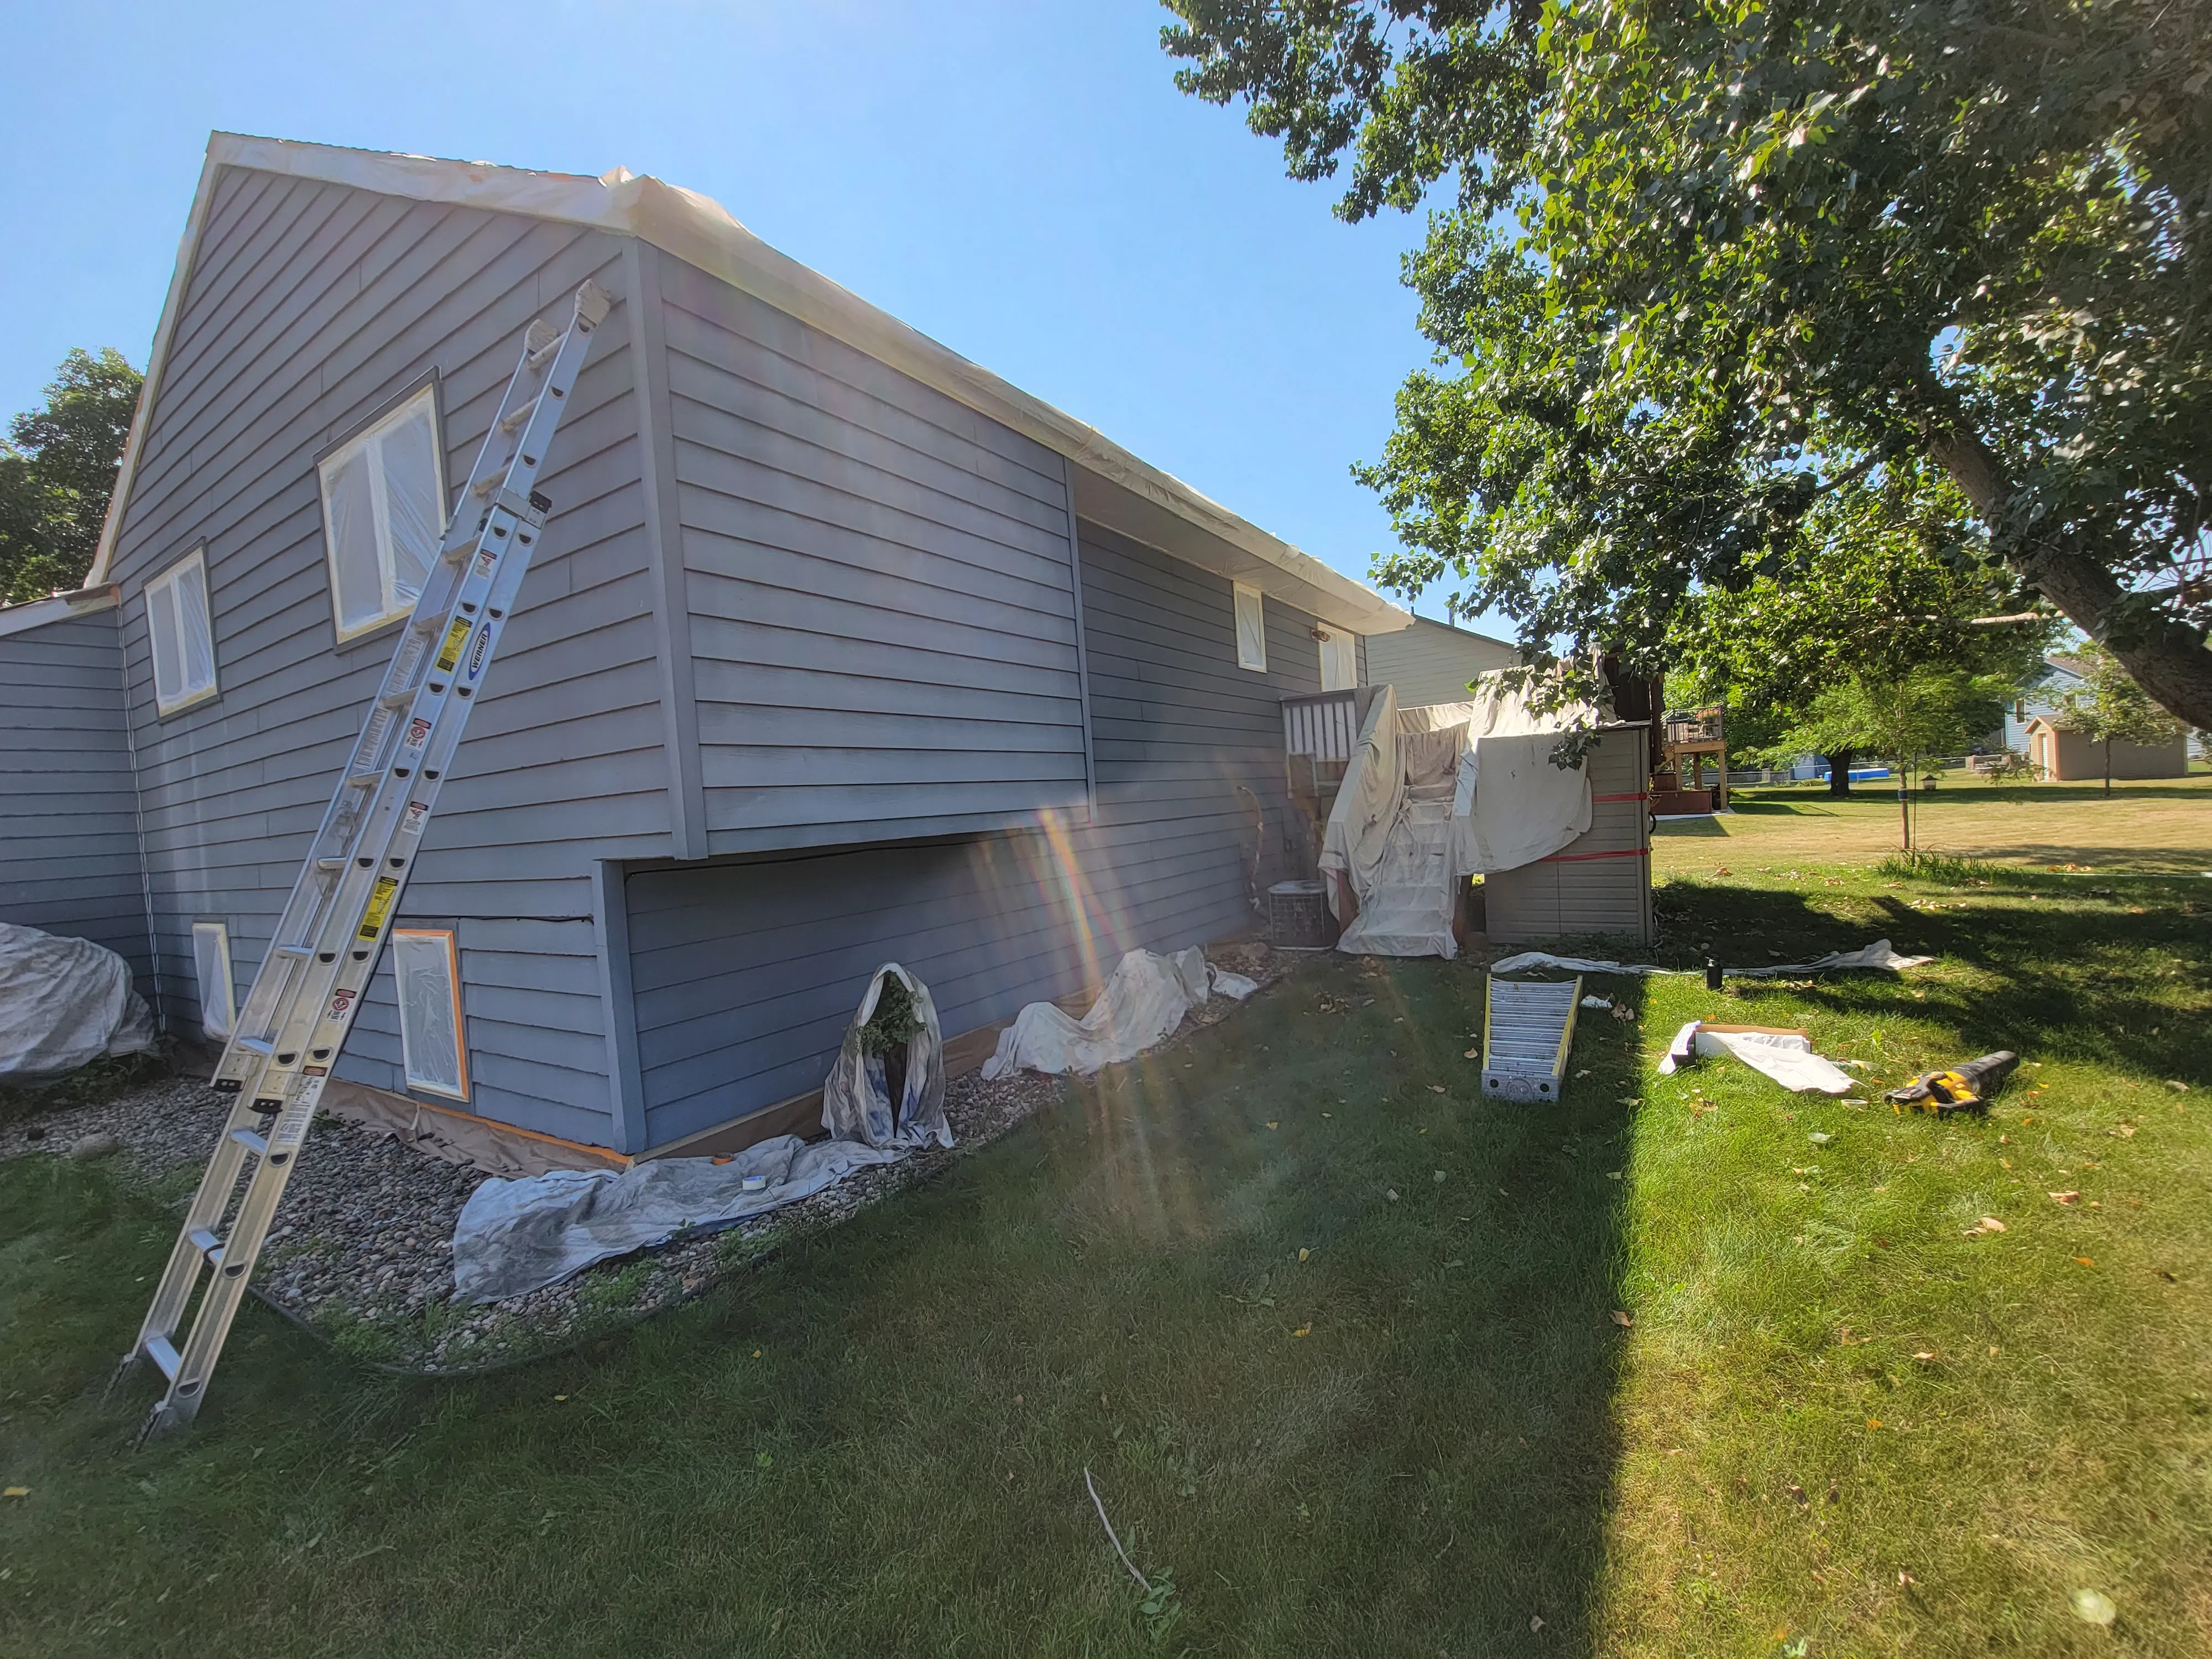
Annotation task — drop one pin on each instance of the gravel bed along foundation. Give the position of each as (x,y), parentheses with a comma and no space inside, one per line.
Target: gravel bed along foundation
(361,1248)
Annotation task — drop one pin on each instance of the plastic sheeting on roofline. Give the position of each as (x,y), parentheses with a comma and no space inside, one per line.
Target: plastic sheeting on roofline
(700,231)
(1438,794)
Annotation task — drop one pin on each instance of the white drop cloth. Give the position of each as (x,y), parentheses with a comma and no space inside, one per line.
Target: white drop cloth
(1434,794)
(64,1003)
(1785,1056)
(1146,999)
(856,1103)
(1876,955)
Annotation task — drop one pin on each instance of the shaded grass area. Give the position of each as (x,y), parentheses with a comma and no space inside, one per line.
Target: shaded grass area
(1424,1437)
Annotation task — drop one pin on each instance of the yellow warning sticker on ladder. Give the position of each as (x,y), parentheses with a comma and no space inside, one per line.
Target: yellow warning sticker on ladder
(450,653)
(380,906)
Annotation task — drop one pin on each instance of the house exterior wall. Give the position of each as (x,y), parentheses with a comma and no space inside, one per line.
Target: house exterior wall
(69,809)
(1599,882)
(312,307)
(746,973)
(880,588)
(1432,662)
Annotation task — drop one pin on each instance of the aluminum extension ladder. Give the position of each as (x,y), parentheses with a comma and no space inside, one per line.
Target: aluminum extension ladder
(326,945)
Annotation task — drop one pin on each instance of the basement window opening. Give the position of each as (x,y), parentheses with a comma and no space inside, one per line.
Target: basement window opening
(426,965)
(1251,630)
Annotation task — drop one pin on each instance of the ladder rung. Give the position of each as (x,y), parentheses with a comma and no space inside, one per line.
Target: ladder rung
(363,780)
(256,1144)
(541,340)
(399,699)
(205,1242)
(294,950)
(331,864)
(257,1045)
(518,416)
(163,1353)
(493,484)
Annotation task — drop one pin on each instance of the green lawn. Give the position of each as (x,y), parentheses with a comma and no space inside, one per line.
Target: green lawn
(1335,1336)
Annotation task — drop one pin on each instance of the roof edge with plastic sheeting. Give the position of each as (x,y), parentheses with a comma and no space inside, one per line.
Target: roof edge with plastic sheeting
(1113,487)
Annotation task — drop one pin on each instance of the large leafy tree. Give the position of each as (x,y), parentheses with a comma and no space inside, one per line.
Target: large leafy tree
(1696,264)
(57,472)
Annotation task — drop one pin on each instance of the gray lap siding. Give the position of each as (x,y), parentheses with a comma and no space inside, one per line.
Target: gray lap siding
(312,307)
(68,810)
(746,973)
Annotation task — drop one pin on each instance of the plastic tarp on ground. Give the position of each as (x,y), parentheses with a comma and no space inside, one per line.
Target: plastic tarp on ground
(1785,1056)
(1145,1000)
(1876,955)
(1434,794)
(64,1003)
(516,1236)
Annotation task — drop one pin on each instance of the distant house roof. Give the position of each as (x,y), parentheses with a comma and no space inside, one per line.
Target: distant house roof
(1115,487)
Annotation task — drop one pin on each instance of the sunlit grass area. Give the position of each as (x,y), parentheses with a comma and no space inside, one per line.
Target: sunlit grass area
(1335,1336)
(2164,826)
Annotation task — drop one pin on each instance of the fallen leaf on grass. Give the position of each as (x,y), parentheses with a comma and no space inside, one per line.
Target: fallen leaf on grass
(2093,1608)
(1988,1224)
(1924,1357)
(16,1492)
(1613,1174)
(1472,1054)
(1440,1177)
(2086,1261)
(1584,1072)
(1535,1624)
(1435,1088)
(1303,1252)
(1620,1012)
(2123,1132)
(1274,1123)
(1874,1422)
(1390,1193)
(1302,1330)
(1820,1137)
(1624,1320)
(2177,1085)
(2066,1198)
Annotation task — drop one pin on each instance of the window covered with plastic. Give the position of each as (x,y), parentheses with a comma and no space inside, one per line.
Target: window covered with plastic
(384,514)
(428,970)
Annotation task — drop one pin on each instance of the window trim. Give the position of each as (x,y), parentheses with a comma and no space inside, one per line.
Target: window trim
(1239,592)
(221,932)
(452,944)
(393,414)
(193,563)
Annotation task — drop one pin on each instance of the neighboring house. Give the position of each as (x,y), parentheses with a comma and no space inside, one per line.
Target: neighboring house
(1431,662)
(2040,698)
(2061,755)
(838,649)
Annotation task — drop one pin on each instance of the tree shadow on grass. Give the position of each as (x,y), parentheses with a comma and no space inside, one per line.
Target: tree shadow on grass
(2090,978)
(1410,1432)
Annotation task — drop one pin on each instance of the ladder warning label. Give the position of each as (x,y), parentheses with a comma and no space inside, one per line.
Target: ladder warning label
(379,906)
(450,652)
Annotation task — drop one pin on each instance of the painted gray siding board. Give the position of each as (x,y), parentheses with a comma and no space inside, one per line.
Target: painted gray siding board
(310,308)
(880,582)
(69,809)
(746,973)
(1432,661)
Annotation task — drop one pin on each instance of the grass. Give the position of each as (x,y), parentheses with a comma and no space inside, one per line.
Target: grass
(2162,828)
(1331,1419)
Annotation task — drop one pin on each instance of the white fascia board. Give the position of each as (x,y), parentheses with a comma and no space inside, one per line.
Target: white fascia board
(699,231)
(56,607)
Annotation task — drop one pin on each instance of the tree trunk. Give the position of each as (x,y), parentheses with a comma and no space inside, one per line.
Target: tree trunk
(2108,768)
(1839,773)
(2171,664)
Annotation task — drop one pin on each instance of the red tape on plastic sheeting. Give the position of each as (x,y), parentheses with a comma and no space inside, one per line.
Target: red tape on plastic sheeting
(1576,858)
(1639,795)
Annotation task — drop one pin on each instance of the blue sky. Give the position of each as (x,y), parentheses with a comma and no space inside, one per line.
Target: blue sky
(1022,182)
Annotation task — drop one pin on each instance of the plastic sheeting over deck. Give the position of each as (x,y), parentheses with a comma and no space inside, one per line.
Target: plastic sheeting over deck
(1438,793)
